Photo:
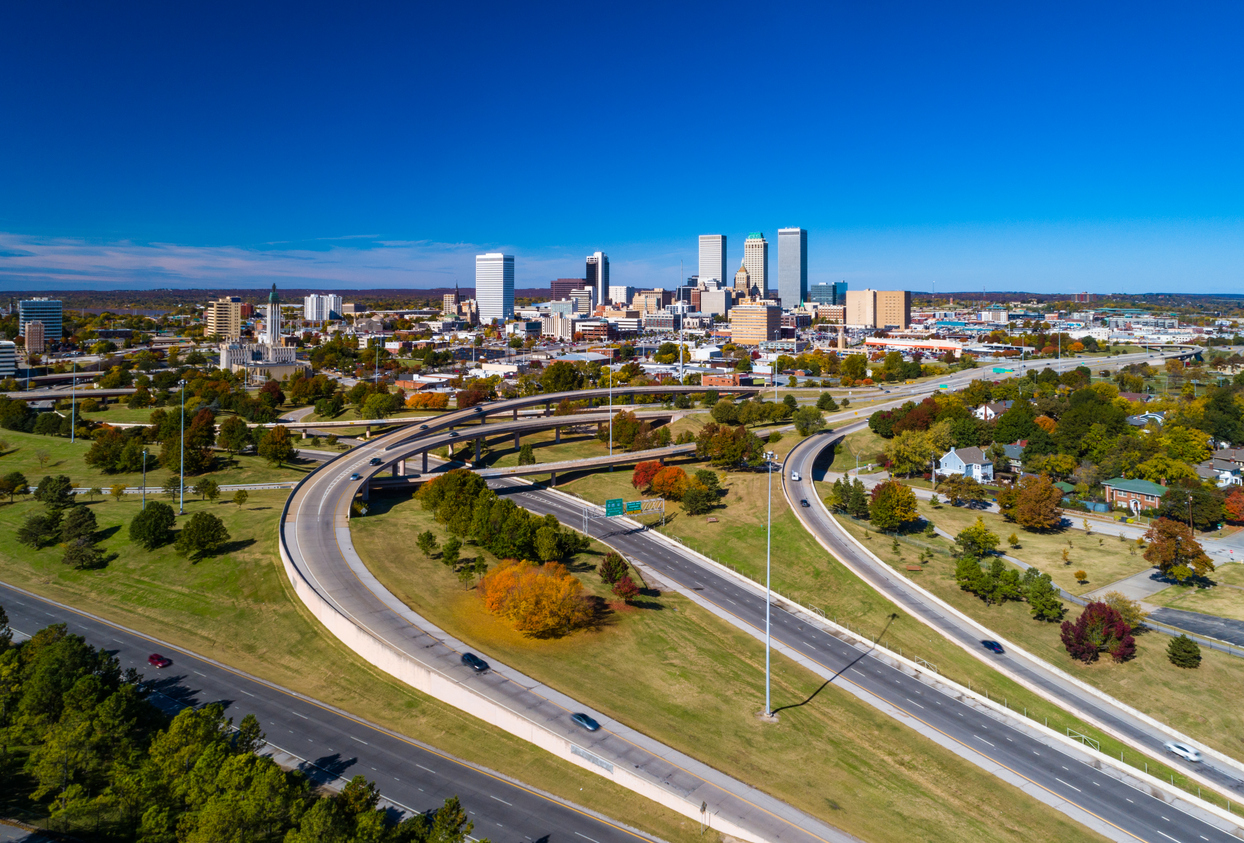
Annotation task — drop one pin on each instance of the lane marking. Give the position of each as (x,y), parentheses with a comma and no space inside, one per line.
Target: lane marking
(433,772)
(1072,786)
(360,740)
(502,801)
(982,740)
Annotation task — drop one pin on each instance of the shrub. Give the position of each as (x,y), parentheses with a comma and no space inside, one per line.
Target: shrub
(1184,652)
(612,568)
(1081,576)
(626,588)
(1099,629)
(542,601)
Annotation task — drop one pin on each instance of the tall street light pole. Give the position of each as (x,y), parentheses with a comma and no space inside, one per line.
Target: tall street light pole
(73,403)
(181,505)
(769,456)
(610,370)
(144,479)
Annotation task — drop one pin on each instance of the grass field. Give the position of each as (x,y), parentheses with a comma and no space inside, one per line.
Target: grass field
(238,608)
(833,757)
(121,414)
(1226,598)
(65,457)
(1104,558)
(864,444)
(1200,703)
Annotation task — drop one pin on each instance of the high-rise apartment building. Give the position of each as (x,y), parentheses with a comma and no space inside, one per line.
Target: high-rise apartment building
(34,337)
(828,293)
(598,275)
(494,286)
(756,259)
(752,324)
(713,257)
(321,308)
(879,308)
(560,288)
(223,318)
(47,311)
(792,266)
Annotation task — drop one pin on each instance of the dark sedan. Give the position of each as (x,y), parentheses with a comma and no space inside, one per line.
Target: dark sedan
(581,719)
(474,662)
(993,647)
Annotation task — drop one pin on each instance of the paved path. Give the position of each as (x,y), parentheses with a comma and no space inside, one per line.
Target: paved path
(1139,586)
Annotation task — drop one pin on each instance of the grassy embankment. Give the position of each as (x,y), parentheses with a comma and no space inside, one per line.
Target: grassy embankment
(238,608)
(687,678)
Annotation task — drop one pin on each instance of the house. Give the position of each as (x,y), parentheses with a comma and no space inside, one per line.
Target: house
(1015,454)
(989,412)
(970,462)
(1133,494)
(1222,472)
(1231,455)
(1145,418)
(1135,397)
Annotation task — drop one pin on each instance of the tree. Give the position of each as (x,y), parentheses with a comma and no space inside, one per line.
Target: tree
(670,483)
(726,412)
(55,492)
(1232,507)
(1183,652)
(625,588)
(893,507)
(235,435)
(93,493)
(207,489)
(82,554)
(117,491)
(612,568)
(561,376)
(39,529)
(542,601)
(153,526)
(808,420)
(977,540)
(239,497)
(1175,551)
(1013,540)
(1130,610)
(78,523)
(13,483)
(1043,598)
(1188,497)
(1099,629)
(1081,576)
(1032,503)
(426,542)
(526,454)
(826,402)
(449,553)
(172,486)
(909,452)
(276,446)
(6,631)
(960,489)
(698,500)
(202,536)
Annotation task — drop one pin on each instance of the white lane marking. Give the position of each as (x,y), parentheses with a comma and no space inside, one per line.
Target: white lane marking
(204,675)
(982,740)
(1072,786)
(248,693)
(585,837)
(913,702)
(433,772)
(360,740)
(303,716)
(502,801)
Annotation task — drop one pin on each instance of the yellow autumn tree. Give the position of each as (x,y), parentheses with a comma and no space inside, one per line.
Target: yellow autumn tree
(543,601)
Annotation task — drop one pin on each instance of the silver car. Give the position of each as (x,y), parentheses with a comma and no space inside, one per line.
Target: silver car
(1184,751)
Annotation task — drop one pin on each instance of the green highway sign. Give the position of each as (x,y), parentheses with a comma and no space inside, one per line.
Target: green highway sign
(613,507)
(634,506)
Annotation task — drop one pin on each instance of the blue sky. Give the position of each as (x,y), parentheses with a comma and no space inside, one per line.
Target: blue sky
(1053,147)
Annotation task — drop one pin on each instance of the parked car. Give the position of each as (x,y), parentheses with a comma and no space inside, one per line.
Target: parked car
(157,660)
(474,662)
(581,719)
(356,476)
(993,647)
(1184,751)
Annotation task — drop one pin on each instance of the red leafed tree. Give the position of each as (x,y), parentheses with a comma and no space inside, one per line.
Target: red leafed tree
(1234,505)
(1099,629)
(644,472)
(1175,551)
(626,588)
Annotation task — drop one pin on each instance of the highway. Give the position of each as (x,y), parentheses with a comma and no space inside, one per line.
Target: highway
(332,743)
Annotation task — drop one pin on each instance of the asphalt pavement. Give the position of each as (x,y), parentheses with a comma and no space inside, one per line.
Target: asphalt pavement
(329,744)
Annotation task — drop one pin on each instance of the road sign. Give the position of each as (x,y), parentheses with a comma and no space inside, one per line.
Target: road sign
(613,507)
(634,506)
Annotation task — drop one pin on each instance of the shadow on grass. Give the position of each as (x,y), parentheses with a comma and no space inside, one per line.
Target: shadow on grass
(107,533)
(234,546)
(859,658)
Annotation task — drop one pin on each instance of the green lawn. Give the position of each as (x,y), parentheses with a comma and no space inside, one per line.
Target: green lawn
(121,414)
(702,685)
(24,452)
(1201,703)
(865,445)
(1226,598)
(1104,558)
(239,609)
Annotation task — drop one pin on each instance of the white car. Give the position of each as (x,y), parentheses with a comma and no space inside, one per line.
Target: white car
(794,476)
(1184,751)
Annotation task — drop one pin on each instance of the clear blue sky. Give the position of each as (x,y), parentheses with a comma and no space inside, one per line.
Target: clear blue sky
(1056,147)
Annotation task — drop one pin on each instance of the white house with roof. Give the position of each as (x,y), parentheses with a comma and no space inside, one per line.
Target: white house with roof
(989,412)
(970,462)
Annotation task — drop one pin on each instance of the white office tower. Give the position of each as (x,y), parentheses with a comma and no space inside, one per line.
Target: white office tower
(321,308)
(621,294)
(272,330)
(713,257)
(494,287)
(792,266)
(598,276)
(756,259)
(8,359)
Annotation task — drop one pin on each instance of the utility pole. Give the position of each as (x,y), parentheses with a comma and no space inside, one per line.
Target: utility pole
(181,504)
(769,456)
(144,479)
(73,403)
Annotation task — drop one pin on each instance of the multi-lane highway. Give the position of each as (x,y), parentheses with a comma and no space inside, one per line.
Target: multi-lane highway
(331,743)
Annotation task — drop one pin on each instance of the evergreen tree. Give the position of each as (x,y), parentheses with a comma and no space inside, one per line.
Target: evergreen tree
(152,527)
(1184,652)
(78,523)
(202,536)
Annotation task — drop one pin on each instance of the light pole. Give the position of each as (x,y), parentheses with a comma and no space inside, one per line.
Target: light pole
(181,504)
(144,479)
(769,455)
(73,403)
(609,368)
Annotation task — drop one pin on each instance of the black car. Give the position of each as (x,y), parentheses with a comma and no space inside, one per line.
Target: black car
(804,503)
(992,646)
(581,719)
(453,434)
(474,662)
(423,427)
(374,461)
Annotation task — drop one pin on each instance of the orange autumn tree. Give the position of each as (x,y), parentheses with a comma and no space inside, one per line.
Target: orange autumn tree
(543,601)
(670,483)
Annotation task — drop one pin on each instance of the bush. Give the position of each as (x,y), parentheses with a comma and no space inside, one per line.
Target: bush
(626,588)
(612,568)
(542,601)
(1184,652)
(153,527)
(1099,629)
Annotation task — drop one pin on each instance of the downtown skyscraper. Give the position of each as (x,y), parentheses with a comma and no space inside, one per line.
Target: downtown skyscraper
(598,276)
(494,286)
(756,260)
(713,257)
(792,286)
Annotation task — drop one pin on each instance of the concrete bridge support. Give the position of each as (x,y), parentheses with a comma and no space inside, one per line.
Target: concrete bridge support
(477,447)
(425,462)
(517,443)
(557,436)
(552,478)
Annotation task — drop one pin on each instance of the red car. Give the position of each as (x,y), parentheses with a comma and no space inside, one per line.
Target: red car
(157,660)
